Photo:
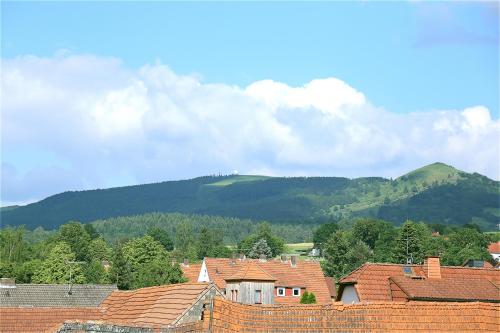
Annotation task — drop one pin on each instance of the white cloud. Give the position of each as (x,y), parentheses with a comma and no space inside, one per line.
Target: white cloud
(113,126)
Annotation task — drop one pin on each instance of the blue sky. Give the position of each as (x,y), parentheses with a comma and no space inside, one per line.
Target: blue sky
(413,59)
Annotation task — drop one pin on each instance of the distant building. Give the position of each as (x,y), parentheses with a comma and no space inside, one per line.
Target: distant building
(427,282)
(291,278)
(494,250)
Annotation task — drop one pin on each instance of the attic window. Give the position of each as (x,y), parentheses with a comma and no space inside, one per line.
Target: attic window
(296,291)
(258,297)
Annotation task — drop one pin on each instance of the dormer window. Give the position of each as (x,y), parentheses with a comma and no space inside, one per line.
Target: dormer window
(296,291)
(280,291)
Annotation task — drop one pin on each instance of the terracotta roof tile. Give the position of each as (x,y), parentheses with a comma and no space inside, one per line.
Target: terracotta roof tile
(494,247)
(387,317)
(330,282)
(448,289)
(191,271)
(27,320)
(372,280)
(305,274)
(251,271)
(152,307)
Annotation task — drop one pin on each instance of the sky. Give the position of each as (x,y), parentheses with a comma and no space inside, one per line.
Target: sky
(96,95)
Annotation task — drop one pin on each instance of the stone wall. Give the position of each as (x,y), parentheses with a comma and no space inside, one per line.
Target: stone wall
(95,327)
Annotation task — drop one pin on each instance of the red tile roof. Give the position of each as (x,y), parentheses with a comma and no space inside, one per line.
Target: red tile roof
(153,307)
(36,320)
(251,272)
(330,282)
(191,271)
(448,289)
(375,317)
(494,247)
(305,274)
(372,280)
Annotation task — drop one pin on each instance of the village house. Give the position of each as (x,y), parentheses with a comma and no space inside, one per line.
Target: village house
(105,309)
(40,307)
(53,295)
(201,307)
(428,282)
(494,250)
(261,281)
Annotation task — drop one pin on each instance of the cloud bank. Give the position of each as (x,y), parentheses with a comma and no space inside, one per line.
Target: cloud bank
(80,121)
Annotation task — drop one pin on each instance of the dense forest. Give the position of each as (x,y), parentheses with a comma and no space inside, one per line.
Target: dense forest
(152,258)
(436,193)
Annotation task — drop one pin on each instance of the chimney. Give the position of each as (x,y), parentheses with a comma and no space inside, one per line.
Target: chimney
(433,267)
(284,258)
(7,283)
(186,262)
(293,260)
(233,259)
(241,256)
(262,257)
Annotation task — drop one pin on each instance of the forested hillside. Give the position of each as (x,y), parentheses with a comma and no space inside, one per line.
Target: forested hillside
(436,193)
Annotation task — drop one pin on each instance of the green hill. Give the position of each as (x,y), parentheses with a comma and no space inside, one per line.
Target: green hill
(436,193)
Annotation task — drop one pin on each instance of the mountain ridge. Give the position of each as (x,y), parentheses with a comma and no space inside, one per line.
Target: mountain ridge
(429,193)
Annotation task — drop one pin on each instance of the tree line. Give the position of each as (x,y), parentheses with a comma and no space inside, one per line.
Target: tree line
(148,260)
(346,246)
(153,257)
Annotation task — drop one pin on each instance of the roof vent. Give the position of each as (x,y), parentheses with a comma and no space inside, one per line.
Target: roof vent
(7,283)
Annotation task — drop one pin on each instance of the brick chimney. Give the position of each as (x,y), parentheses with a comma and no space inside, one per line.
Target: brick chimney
(293,260)
(433,267)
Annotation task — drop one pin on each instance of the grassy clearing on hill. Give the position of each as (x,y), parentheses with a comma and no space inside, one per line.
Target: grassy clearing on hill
(238,179)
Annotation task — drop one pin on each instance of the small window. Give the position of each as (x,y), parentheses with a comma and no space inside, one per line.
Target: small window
(407,270)
(280,291)
(296,292)
(258,297)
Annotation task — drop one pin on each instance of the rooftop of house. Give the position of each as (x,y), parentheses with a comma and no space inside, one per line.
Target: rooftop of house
(154,306)
(36,320)
(191,271)
(372,282)
(303,274)
(387,317)
(53,295)
(330,282)
(447,289)
(494,248)
(251,271)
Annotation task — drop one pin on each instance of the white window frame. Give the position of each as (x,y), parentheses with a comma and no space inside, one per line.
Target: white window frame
(293,292)
(280,289)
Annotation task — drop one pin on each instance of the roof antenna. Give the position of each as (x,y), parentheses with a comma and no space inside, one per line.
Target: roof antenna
(70,292)
(409,258)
